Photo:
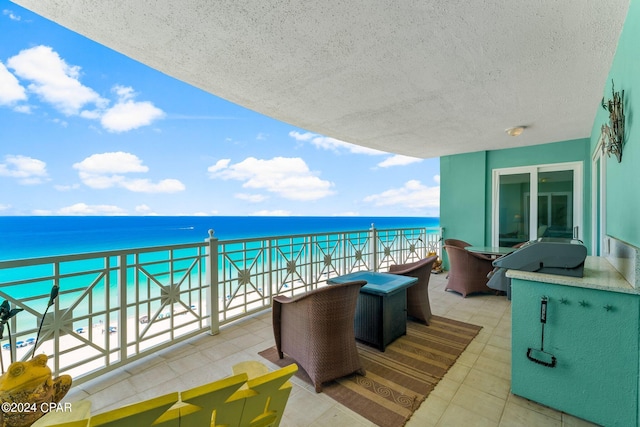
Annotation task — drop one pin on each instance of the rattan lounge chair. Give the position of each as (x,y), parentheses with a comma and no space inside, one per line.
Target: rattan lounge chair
(316,329)
(468,271)
(456,242)
(418,306)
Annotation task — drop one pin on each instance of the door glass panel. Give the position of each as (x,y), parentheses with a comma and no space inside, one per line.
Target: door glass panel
(514,209)
(555,204)
(537,201)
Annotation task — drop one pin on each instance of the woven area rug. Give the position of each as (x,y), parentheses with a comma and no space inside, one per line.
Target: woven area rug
(399,379)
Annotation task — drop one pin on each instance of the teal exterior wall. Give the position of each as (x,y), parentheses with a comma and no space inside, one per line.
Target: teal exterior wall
(623,179)
(466,187)
(462,196)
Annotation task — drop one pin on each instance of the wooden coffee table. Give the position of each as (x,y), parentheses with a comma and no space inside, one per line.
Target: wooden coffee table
(381,313)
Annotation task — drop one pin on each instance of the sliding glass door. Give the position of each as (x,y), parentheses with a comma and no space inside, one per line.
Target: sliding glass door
(537,201)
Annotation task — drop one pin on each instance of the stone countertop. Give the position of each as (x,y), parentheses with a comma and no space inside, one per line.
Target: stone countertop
(598,274)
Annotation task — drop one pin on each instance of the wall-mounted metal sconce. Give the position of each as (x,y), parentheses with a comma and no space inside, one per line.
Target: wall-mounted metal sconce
(613,132)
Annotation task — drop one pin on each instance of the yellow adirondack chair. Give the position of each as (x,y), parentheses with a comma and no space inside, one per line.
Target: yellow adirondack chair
(77,423)
(236,401)
(266,398)
(78,416)
(141,414)
(199,405)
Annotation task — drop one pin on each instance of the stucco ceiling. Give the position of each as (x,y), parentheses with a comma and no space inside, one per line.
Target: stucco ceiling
(420,78)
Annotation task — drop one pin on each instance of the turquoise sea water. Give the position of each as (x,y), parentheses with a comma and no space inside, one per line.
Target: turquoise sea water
(29,237)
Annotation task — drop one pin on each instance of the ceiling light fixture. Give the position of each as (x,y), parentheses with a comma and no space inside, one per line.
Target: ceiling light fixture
(515,131)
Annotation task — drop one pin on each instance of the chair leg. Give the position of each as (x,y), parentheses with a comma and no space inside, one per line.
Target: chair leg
(318,387)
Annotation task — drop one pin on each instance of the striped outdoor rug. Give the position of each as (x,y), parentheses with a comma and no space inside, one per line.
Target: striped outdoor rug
(399,379)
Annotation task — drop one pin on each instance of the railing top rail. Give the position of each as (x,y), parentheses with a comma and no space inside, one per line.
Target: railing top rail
(26,262)
(300,235)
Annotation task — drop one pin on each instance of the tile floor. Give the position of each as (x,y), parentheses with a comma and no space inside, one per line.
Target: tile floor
(475,392)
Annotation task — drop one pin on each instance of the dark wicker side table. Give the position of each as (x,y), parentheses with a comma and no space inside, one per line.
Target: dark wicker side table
(381,313)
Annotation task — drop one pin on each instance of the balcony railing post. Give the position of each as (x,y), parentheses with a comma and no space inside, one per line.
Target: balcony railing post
(212,284)
(374,246)
(122,303)
(272,285)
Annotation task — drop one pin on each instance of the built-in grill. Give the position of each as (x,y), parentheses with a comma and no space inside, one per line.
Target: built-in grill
(547,255)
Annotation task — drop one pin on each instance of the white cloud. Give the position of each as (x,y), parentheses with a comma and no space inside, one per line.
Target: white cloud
(348,213)
(147,186)
(128,114)
(24,109)
(53,79)
(338,146)
(4,207)
(26,170)
(213,212)
(253,198)
(66,187)
(106,163)
(220,165)
(84,209)
(145,210)
(333,144)
(10,89)
(11,15)
(41,212)
(289,178)
(108,170)
(398,160)
(413,195)
(272,213)
(58,84)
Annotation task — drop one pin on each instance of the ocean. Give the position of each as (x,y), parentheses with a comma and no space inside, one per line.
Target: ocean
(39,236)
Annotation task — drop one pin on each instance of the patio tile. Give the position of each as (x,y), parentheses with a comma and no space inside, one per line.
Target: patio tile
(456,416)
(458,373)
(533,406)
(518,416)
(571,421)
(475,347)
(480,402)
(500,342)
(445,389)
(338,416)
(488,383)
(468,358)
(493,367)
(496,353)
(429,413)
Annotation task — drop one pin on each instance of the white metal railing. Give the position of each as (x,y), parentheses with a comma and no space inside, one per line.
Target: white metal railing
(117,306)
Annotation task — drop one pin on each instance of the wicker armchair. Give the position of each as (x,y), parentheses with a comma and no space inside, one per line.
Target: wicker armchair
(468,271)
(316,329)
(418,306)
(456,242)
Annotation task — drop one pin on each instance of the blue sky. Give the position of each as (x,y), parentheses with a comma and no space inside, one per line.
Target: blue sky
(87,131)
